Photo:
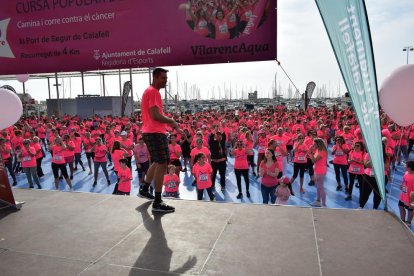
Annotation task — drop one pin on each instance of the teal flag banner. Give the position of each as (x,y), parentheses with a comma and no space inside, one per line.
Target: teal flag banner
(346,23)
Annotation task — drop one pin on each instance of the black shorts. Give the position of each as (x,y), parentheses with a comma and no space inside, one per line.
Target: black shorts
(62,168)
(144,167)
(90,155)
(176,163)
(157,145)
(402,204)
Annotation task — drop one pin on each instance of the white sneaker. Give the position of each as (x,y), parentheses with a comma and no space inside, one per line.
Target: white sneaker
(316,203)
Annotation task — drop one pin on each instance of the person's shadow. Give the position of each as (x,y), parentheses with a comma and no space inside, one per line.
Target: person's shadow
(156,254)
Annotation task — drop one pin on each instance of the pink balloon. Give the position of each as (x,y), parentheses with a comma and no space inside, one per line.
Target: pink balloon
(396,95)
(22,78)
(10,108)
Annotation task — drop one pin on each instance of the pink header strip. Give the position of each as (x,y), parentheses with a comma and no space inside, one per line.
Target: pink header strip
(61,36)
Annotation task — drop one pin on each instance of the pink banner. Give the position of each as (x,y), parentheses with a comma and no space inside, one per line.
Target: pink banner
(40,36)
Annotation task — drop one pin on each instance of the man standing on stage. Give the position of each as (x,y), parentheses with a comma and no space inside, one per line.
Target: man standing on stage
(154,135)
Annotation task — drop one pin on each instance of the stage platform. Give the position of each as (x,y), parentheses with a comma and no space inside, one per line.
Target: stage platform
(65,233)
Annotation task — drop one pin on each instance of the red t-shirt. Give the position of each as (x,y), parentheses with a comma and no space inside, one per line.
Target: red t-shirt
(151,98)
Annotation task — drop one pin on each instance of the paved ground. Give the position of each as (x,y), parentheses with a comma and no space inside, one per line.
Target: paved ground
(62,233)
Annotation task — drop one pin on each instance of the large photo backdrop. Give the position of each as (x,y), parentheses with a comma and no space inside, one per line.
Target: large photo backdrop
(81,35)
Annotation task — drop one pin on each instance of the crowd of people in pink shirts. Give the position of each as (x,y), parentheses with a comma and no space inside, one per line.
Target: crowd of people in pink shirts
(262,144)
(219,19)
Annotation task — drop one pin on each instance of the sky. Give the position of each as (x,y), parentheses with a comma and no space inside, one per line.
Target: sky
(304,52)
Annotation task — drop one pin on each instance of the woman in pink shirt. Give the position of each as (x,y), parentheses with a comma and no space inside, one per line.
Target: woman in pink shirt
(39,155)
(58,162)
(299,161)
(241,167)
(175,153)
(77,140)
(69,153)
(28,157)
(261,144)
(340,161)
(370,184)
(269,171)
(407,188)
(100,151)
(88,143)
(319,159)
(356,167)
(142,159)
(5,151)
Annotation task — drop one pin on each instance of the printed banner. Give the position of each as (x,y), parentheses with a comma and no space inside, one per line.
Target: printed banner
(125,93)
(46,36)
(346,23)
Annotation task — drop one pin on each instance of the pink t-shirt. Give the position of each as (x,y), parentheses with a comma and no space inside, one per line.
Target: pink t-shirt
(340,156)
(267,180)
(141,153)
(354,167)
(116,156)
(407,186)
(37,148)
(196,151)
(100,153)
(282,195)
(151,98)
(240,159)
(203,175)
(175,151)
(300,153)
(320,165)
(28,161)
(262,144)
(171,183)
(78,144)
(58,157)
(124,176)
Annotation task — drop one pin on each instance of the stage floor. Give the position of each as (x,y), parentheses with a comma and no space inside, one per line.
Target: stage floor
(62,233)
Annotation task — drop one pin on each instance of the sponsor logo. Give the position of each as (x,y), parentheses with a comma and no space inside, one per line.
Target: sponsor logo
(96,54)
(5,50)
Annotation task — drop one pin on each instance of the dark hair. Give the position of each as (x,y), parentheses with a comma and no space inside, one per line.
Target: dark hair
(123,160)
(273,154)
(198,156)
(361,145)
(410,164)
(158,71)
(116,146)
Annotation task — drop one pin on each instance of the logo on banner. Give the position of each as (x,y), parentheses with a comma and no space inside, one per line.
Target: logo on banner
(96,54)
(5,50)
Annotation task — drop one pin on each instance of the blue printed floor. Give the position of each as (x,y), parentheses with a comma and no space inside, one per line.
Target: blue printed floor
(82,182)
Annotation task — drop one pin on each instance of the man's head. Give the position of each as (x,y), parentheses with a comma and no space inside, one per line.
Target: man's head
(159,78)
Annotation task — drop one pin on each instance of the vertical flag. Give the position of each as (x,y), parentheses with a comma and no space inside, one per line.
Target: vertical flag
(346,23)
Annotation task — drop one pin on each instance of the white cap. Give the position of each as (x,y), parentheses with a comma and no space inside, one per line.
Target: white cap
(124,133)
